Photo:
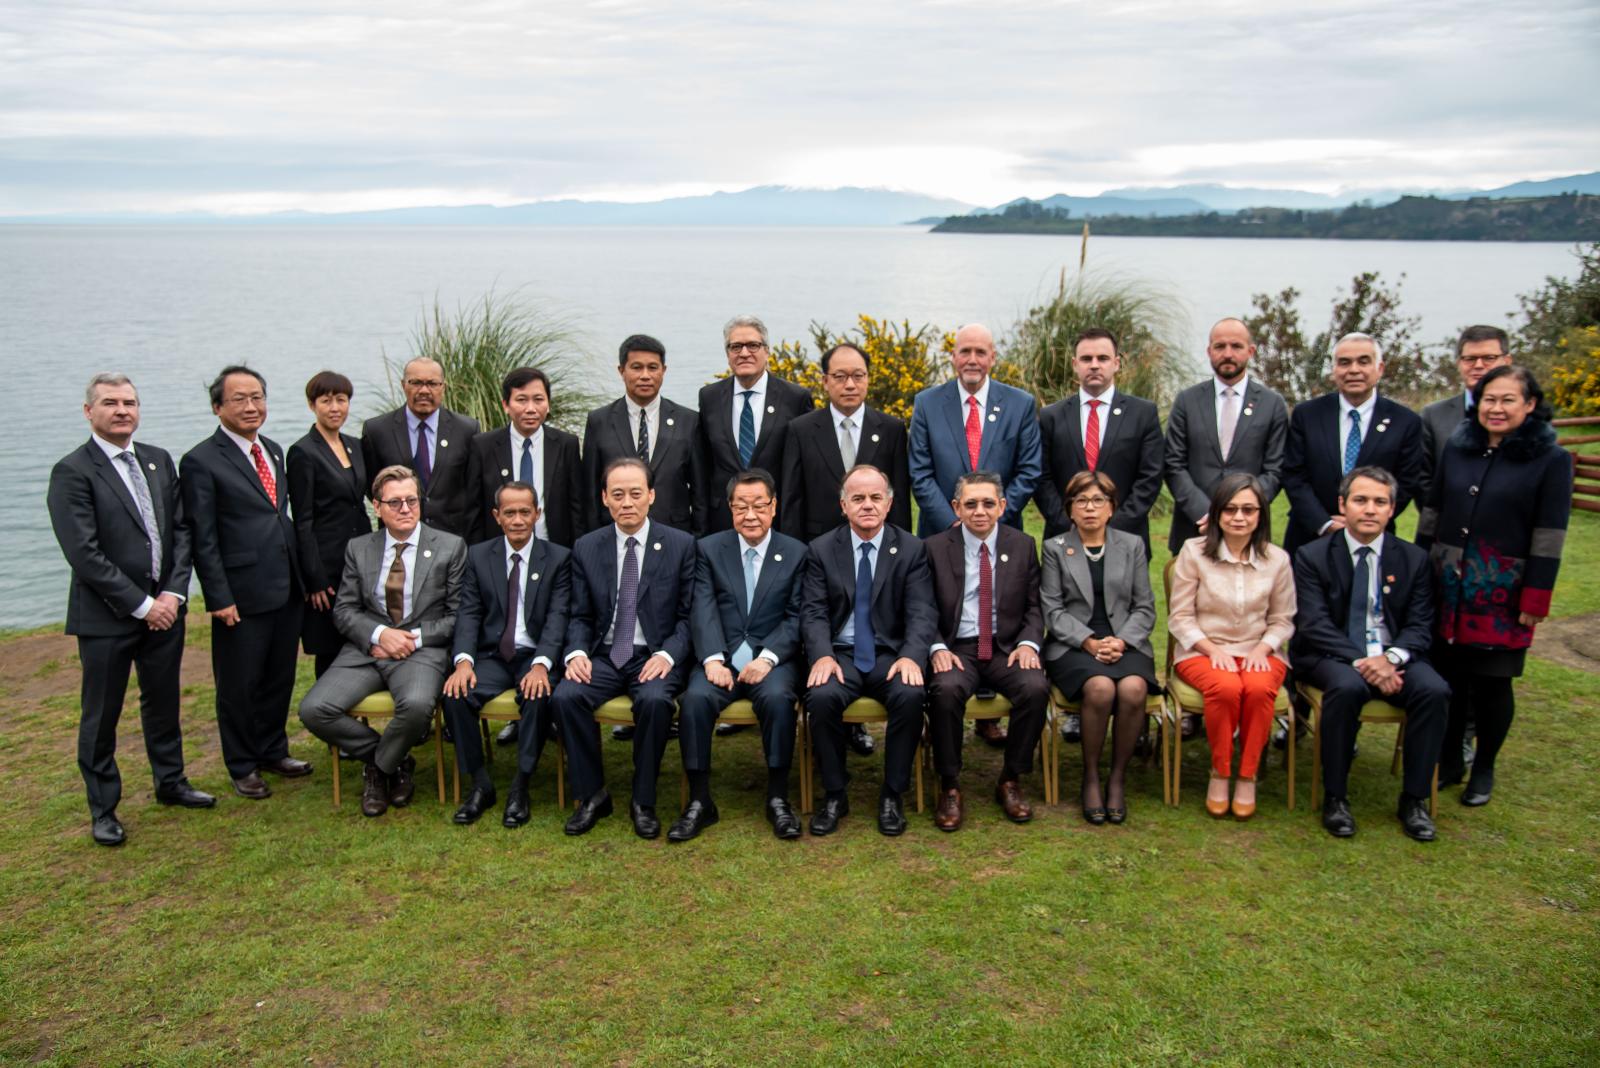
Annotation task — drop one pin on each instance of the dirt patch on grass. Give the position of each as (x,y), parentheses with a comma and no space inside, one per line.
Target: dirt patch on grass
(1573,642)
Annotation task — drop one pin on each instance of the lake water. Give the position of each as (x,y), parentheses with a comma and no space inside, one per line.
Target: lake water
(170,305)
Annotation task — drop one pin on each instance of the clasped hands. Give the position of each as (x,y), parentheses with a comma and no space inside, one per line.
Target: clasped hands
(393,644)
(1105,650)
(1381,675)
(164,613)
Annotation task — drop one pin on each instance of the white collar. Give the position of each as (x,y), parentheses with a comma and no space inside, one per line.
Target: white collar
(1355,546)
(642,535)
(1218,385)
(982,394)
(537,437)
(111,451)
(1105,398)
(526,550)
(759,389)
(389,540)
(244,443)
(856,542)
(1365,408)
(760,547)
(634,409)
(1226,555)
(971,540)
(412,419)
(858,416)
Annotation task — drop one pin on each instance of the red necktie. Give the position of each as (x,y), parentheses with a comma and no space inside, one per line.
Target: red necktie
(264,473)
(1091,435)
(974,431)
(985,604)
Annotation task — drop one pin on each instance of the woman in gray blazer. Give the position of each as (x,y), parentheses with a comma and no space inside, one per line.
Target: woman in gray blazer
(1099,612)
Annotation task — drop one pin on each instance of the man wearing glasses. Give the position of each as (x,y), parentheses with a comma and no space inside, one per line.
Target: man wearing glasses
(397,609)
(1478,351)
(430,440)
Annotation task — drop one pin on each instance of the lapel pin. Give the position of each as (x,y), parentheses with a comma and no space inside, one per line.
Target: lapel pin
(777,558)
(1249,411)
(893,549)
(1386,589)
(771,410)
(669,420)
(426,553)
(1382,427)
(657,546)
(443,443)
(153,466)
(874,438)
(534,577)
(504,473)
(1116,411)
(1070,550)
(992,417)
(1004,559)
(1388,578)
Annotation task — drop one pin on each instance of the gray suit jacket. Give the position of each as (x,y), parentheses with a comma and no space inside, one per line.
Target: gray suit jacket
(1439,421)
(435,575)
(1194,450)
(1067,592)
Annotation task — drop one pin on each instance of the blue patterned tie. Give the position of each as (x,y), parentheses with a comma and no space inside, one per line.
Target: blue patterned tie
(525,472)
(1356,624)
(747,430)
(1352,444)
(866,653)
(627,607)
(744,654)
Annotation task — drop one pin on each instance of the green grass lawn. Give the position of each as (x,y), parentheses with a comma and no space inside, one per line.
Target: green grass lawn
(286,932)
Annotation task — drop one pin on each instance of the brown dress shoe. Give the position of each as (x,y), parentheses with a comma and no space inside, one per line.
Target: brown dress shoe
(948,813)
(403,783)
(374,791)
(288,767)
(1016,807)
(252,786)
(990,731)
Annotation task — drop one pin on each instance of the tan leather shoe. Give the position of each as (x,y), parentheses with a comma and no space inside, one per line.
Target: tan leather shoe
(948,813)
(1015,806)
(1218,807)
(1243,808)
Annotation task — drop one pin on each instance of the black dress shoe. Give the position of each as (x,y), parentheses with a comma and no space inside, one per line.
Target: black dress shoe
(725,729)
(622,734)
(288,767)
(181,793)
(696,818)
(252,786)
(517,807)
(1479,787)
(1094,815)
(588,813)
(477,803)
(891,816)
(825,820)
(645,824)
(861,743)
(508,733)
(375,787)
(107,831)
(1071,727)
(403,783)
(785,824)
(1414,818)
(1336,818)
(1117,816)
(1189,725)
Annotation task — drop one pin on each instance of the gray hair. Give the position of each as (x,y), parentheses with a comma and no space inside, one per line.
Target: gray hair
(1356,335)
(1375,474)
(744,320)
(107,378)
(860,468)
(980,478)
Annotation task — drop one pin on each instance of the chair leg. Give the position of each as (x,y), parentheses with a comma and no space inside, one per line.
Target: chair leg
(1399,740)
(1289,753)
(1315,737)
(561,774)
(920,747)
(333,758)
(1177,755)
(1166,762)
(488,739)
(1433,795)
(807,786)
(438,755)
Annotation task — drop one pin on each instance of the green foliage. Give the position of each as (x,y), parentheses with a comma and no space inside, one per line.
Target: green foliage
(1552,314)
(904,360)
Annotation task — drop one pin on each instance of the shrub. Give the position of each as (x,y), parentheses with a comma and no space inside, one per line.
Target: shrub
(1555,314)
(1575,378)
(904,361)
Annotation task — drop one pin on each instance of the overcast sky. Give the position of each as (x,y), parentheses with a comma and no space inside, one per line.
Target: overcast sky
(243,107)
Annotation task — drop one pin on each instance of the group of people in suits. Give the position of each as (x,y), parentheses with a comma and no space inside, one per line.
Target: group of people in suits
(760,548)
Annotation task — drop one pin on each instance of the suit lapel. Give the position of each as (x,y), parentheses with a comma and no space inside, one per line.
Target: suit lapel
(1073,424)
(237,458)
(1381,415)
(768,417)
(498,573)
(1078,564)
(733,561)
(532,575)
(826,442)
(954,403)
(156,478)
(993,420)
(648,563)
(1111,419)
(402,436)
(666,433)
(617,423)
(424,564)
(719,427)
(887,556)
(844,555)
(1344,575)
(103,467)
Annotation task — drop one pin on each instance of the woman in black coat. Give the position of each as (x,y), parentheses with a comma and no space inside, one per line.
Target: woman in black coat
(328,496)
(1494,525)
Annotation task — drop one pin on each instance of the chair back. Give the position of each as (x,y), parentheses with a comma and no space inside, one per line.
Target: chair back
(1166,593)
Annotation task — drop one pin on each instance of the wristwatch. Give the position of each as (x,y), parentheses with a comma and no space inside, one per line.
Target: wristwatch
(1394,657)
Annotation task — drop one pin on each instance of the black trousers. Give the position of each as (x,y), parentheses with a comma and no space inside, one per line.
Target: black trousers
(107,662)
(495,677)
(1426,700)
(253,663)
(654,704)
(948,693)
(773,699)
(825,707)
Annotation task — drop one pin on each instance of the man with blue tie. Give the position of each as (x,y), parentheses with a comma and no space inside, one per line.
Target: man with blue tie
(867,618)
(632,585)
(432,441)
(746,628)
(528,450)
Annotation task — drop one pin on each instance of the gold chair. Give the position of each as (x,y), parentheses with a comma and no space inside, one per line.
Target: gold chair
(861,710)
(996,706)
(1374,711)
(1154,708)
(381,706)
(617,712)
(743,714)
(505,707)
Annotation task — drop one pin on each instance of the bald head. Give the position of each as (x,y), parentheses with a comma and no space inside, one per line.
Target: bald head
(973,358)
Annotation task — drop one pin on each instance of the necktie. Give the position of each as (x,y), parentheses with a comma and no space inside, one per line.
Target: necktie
(1352,443)
(974,431)
(866,647)
(421,463)
(1091,435)
(627,607)
(264,473)
(644,437)
(747,430)
(1356,623)
(1229,420)
(394,587)
(744,654)
(985,604)
(525,469)
(508,637)
(147,509)
(847,443)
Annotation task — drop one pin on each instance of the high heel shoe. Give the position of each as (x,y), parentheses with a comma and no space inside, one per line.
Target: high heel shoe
(1095,816)
(1243,810)
(1218,809)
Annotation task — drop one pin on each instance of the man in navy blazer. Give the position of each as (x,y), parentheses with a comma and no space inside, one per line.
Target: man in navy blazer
(746,627)
(237,504)
(1362,630)
(972,423)
(1331,435)
(509,633)
(628,633)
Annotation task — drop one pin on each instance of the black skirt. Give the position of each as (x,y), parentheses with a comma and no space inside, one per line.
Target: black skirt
(318,635)
(1465,661)
(1069,671)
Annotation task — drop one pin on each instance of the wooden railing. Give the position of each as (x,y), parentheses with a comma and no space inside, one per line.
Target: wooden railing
(1585,469)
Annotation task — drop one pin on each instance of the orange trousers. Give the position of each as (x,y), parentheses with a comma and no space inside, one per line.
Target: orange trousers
(1239,700)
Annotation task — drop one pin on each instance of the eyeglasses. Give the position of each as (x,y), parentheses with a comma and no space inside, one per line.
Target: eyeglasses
(401,504)
(1471,361)
(1092,502)
(246,398)
(424,383)
(1240,509)
(736,347)
(752,509)
(851,377)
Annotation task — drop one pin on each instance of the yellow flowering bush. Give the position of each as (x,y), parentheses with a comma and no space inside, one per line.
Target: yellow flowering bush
(1575,380)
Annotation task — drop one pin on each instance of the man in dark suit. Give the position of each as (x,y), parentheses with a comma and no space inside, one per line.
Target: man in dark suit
(746,628)
(632,585)
(867,618)
(432,441)
(396,608)
(744,419)
(1101,429)
(118,518)
(645,424)
(528,450)
(1363,626)
(972,423)
(1479,350)
(237,506)
(1332,435)
(509,633)
(986,585)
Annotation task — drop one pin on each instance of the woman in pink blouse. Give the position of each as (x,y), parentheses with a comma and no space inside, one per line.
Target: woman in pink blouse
(1231,615)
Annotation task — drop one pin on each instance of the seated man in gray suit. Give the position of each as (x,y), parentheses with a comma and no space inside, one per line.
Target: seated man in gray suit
(397,609)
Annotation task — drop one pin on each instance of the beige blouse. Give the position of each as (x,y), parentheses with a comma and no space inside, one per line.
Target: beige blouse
(1234,603)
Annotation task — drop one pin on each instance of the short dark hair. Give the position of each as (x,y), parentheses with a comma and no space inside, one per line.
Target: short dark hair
(1230,487)
(515,484)
(324,383)
(1083,481)
(1093,333)
(1376,474)
(627,461)
(750,477)
(522,376)
(640,343)
(222,376)
(1482,332)
(827,357)
(1530,389)
(980,478)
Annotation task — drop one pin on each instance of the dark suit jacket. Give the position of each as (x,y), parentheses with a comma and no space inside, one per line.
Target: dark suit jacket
(1016,586)
(813,470)
(490,465)
(904,617)
(1131,456)
(329,509)
(666,590)
(244,547)
(1194,452)
(448,501)
(719,447)
(607,436)
(1313,460)
(719,620)
(545,599)
(1439,421)
(938,451)
(102,535)
(1323,575)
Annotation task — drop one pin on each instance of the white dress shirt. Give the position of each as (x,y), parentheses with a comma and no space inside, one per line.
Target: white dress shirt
(1104,410)
(839,417)
(652,420)
(126,474)
(539,528)
(758,405)
(983,404)
(1377,632)
(412,423)
(385,562)
(761,548)
(847,633)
